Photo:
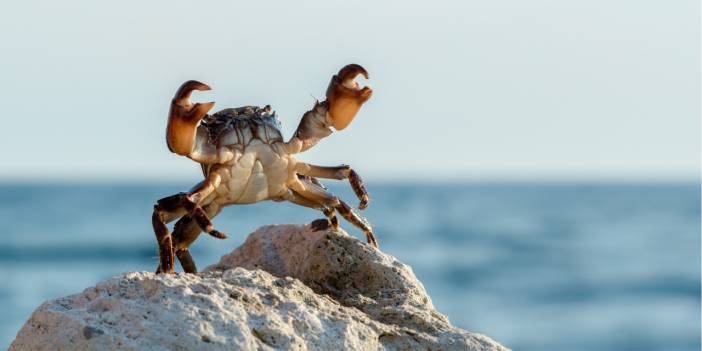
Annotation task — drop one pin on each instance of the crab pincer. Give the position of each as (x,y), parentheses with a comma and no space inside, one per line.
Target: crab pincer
(184,117)
(345,96)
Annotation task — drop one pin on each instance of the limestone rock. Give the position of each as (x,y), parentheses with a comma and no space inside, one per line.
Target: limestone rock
(287,287)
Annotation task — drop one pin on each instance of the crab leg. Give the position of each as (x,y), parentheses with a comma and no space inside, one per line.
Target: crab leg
(360,222)
(317,194)
(185,231)
(318,224)
(169,208)
(166,210)
(196,196)
(331,216)
(340,173)
(186,261)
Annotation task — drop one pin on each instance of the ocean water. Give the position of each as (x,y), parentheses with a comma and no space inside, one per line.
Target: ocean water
(535,266)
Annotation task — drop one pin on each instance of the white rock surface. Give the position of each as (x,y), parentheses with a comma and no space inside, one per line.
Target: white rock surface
(287,287)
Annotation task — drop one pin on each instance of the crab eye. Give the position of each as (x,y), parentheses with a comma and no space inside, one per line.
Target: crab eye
(345,96)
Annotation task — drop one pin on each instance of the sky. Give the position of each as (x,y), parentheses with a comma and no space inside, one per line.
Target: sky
(463,90)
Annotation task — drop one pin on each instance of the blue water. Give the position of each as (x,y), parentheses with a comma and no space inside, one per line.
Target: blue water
(537,267)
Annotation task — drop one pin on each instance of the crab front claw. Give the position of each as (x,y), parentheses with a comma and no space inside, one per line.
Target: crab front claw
(184,117)
(345,96)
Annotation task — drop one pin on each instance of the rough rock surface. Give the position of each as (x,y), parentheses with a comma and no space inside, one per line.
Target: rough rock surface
(287,287)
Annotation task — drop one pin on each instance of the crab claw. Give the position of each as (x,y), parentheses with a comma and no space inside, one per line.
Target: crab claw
(345,96)
(184,117)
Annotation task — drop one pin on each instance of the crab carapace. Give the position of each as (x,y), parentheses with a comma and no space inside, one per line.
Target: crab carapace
(245,160)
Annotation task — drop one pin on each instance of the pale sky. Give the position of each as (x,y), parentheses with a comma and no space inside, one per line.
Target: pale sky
(463,89)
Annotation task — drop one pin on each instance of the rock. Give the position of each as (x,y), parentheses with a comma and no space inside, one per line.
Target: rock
(286,287)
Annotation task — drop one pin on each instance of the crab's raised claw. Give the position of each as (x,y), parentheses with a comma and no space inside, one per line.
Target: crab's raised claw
(184,117)
(345,96)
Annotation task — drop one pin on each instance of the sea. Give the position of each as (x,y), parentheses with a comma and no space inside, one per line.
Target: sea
(536,266)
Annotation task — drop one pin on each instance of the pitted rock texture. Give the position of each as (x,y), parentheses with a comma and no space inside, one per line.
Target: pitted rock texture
(350,271)
(287,287)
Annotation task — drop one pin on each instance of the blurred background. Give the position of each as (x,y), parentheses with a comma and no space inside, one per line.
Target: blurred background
(536,162)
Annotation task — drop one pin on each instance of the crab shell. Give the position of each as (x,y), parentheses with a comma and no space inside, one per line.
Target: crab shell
(239,126)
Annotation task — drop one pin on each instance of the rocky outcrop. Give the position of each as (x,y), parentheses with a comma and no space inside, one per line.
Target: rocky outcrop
(286,287)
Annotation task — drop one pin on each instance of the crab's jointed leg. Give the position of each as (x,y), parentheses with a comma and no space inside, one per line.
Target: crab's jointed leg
(186,261)
(185,231)
(347,212)
(331,216)
(339,173)
(172,207)
(317,194)
(318,224)
(166,210)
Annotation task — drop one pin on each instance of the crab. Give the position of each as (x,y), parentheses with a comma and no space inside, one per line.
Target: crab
(244,160)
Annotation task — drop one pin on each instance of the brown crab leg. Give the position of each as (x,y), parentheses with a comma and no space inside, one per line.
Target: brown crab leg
(317,224)
(171,207)
(196,196)
(203,220)
(186,261)
(349,215)
(331,215)
(340,173)
(185,231)
(315,193)
(329,212)
(166,210)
